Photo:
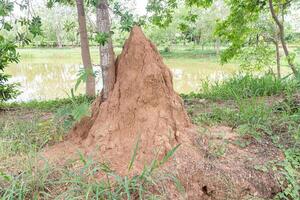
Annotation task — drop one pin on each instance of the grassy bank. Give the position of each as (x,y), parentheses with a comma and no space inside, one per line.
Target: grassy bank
(261,110)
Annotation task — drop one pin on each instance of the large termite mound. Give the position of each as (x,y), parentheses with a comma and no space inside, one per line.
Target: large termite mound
(142,106)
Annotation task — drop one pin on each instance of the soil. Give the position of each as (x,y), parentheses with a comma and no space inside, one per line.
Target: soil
(144,107)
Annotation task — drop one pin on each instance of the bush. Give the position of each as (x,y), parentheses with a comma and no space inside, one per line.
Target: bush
(8,55)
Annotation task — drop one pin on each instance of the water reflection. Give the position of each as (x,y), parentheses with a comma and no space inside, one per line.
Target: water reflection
(49,80)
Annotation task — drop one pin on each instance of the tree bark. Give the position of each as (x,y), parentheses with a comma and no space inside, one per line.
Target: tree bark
(59,39)
(218,46)
(277,59)
(85,51)
(281,36)
(107,55)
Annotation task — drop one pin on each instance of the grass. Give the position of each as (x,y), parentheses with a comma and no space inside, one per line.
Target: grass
(49,105)
(242,86)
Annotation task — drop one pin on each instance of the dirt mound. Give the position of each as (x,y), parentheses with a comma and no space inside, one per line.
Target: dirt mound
(144,107)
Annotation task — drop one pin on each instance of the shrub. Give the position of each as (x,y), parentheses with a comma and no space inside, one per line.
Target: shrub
(8,55)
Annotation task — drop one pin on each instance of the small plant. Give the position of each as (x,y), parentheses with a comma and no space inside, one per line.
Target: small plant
(291,167)
(76,110)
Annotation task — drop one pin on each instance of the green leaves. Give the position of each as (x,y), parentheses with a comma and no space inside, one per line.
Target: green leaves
(8,53)
(257,57)
(102,38)
(80,111)
(35,26)
(50,3)
(238,26)
(162,11)
(6,7)
(82,76)
(7,26)
(127,20)
(199,3)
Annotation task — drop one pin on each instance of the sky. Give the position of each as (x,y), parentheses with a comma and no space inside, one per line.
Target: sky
(141,6)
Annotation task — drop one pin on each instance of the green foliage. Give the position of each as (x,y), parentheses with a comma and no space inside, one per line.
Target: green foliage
(102,38)
(23,39)
(49,105)
(6,7)
(256,58)
(35,26)
(245,86)
(50,3)
(199,3)
(126,18)
(19,135)
(291,167)
(73,112)
(238,26)
(8,52)
(162,11)
(8,55)
(83,75)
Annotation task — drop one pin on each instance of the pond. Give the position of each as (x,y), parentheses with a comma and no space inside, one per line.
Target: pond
(51,73)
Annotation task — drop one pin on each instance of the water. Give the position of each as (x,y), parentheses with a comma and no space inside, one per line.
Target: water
(51,73)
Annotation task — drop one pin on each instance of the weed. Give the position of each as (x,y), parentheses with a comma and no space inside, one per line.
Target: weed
(291,183)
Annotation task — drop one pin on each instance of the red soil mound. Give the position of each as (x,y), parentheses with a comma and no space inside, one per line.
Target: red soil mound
(144,106)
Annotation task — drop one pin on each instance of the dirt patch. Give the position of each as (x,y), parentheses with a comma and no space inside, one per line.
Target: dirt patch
(144,107)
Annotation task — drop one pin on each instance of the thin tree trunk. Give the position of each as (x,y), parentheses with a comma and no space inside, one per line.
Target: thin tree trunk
(107,55)
(59,39)
(281,35)
(218,46)
(85,51)
(277,59)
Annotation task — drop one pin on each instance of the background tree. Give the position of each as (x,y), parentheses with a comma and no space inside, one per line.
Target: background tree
(31,25)
(238,27)
(277,9)
(85,49)
(107,55)
(84,41)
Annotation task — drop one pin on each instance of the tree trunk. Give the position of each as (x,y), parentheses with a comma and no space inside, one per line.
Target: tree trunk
(278,59)
(281,36)
(59,39)
(85,51)
(218,46)
(107,55)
